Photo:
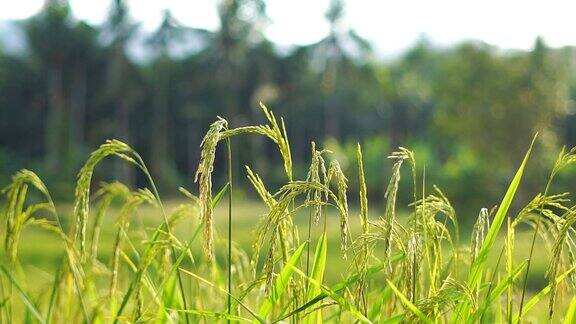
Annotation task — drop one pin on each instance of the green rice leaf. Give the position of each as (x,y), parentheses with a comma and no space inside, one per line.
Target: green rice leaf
(53,295)
(570,317)
(344,304)
(318,273)
(212,315)
(480,262)
(25,298)
(343,285)
(540,295)
(281,283)
(408,304)
(220,194)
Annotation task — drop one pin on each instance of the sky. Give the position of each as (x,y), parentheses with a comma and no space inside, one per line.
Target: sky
(391,26)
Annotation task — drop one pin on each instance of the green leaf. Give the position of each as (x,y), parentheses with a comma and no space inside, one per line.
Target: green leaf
(318,273)
(532,302)
(375,311)
(341,286)
(571,313)
(498,290)
(480,262)
(408,304)
(319,266)
(344,304)
(220,194)
(53,294)
(214,315)
(27,301)
(281,283)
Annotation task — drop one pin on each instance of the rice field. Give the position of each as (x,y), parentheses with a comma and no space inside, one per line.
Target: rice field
(300,254)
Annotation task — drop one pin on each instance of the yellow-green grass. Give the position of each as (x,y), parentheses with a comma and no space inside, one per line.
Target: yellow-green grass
(41,251)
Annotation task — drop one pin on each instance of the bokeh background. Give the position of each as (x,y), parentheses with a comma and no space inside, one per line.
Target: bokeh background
(465,86)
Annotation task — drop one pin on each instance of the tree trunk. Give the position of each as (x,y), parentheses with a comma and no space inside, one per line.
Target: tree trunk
(54,118)
(161,166)
(77,107)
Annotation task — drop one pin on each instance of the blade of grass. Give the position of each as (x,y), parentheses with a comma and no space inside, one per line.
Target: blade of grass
(479,264)
(570,317)
(281,283)
(213,315)
(408,304)
(333,295)
(343,285)
(538,297)
(25,298)
(375,311)
(318,270)
(256,317)
(497,291)
(53,295)
(216,199)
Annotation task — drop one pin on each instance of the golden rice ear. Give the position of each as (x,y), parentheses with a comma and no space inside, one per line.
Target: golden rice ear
(564,240)
(277,133)
(335,172)
(280,137)
(131,203)
(260,188)
(82,192)
(479,231)
(204,179)
(317,173)
(17,217)
(390,195)
(361,258)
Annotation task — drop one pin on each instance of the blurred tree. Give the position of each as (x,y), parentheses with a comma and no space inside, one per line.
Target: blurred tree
(123,86)
(487,97)
(408,93)
(334,56)
(48,34)
(21,114)
(168,33)
(465,107)
(84,51)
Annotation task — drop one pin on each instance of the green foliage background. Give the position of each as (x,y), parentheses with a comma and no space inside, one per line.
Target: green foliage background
(468,110)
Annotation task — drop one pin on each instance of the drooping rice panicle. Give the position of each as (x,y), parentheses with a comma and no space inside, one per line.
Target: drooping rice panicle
(82,191)
(335,172)
(204,179)
(18,217)
(362,257)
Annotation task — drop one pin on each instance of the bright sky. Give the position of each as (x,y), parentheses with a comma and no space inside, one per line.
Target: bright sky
(392,26)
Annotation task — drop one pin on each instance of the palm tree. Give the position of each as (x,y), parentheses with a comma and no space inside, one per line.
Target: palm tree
(48,34)
(123,86)
(162,41)
(335,56)
(84,52)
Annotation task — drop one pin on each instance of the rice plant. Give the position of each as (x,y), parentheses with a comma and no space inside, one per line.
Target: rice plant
(403,264)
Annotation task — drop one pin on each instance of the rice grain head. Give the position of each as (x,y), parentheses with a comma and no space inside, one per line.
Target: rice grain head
(204,179)
(82,192)
(17,217)
(335,172)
